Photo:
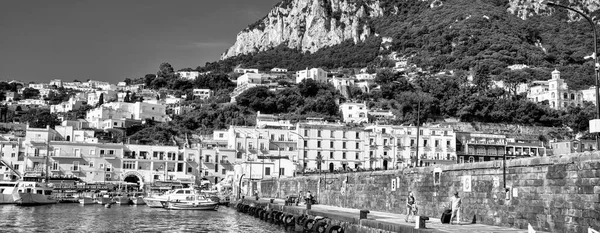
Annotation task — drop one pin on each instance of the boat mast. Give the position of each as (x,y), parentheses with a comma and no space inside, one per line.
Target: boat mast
(47,153)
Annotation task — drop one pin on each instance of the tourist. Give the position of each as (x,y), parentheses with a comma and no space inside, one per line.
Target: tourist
(298,198)
(456,204)
(410,206)
(309,197)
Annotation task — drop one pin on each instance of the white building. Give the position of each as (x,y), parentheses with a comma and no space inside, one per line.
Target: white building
(122,110)
(202,93)
(189,75)
(556,92)
(107,96)
(354,112)
(589,94)
(73,104)
(365,76)
(245,71)
(250,80)
(317,74)
(279,70)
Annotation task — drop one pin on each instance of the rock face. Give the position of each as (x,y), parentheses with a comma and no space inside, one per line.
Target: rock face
(528,8)
(307,25)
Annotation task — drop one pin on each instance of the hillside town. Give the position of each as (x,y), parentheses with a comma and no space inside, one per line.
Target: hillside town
(79,148)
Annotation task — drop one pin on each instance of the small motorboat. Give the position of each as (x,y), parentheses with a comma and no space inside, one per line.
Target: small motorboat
(172,195)
(138,200)
(192,202)
(104,200)
(122,200)
(86,200)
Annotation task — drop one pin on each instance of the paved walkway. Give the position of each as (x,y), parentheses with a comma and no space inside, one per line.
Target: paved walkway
(397,220)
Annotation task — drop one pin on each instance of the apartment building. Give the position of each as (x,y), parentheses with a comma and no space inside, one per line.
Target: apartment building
(354,112)
(317,74)
(480,147)
(123,110)
(12,160)
(330,146)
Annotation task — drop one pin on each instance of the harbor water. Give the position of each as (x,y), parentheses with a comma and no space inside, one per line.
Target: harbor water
(96,218)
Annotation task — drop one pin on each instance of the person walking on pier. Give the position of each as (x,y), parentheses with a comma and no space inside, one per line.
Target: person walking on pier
(456,204)
(410,206)
(299,198)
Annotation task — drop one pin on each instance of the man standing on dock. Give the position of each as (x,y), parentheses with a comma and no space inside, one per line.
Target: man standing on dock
(410,205)
(456,203)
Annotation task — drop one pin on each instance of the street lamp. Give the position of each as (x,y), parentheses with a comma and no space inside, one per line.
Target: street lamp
(303,148)
(596,65)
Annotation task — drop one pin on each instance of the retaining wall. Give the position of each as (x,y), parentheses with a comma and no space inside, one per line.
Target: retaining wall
(558,194)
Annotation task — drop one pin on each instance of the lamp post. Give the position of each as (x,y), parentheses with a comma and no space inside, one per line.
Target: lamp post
(303,148)
(596,65)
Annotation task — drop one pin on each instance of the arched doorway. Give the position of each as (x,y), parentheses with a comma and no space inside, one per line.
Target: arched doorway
(330,167)
(132,179)
(385,164)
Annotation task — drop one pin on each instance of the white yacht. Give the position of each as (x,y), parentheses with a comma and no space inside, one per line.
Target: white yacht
(171,195)
(192,202)
(31,191)
(7,192)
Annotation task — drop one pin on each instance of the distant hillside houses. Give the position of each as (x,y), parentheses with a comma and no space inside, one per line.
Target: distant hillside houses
(189,75)
(123,110)
(317,74)
(555,92)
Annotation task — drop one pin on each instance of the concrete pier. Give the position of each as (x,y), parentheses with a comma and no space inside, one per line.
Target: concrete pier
(349,219)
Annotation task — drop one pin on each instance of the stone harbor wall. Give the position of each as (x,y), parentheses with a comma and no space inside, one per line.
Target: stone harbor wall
(558,194)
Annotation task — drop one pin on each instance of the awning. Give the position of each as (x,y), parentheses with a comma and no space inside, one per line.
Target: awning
(227,166)
(39,145)
(358,163)
(209,165)
(345,162)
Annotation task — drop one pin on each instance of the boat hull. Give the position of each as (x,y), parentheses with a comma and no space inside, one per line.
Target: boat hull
(7,199)
(154,202)
(32,199)
(122,200)
(191,206)
(104,200)
(86,201)
(138,201)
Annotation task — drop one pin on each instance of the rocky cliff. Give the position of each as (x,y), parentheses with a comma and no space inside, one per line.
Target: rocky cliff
(307,25)
(528,8)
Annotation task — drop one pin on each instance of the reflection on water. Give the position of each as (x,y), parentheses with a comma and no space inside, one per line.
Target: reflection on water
(96,218)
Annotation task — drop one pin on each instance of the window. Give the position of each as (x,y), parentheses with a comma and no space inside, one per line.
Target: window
(343,134)
(331,155)
(412,142)
(305,143)
(207,158)
(357,135)
(385,142)
(75,165)
(55,166)
(16,166)
(385,153)
(221,135)
(250,146)
(129,165)
(111,152)
(357,145)
(267,171)
(102,152)
(239,145)
(383,131)
(331,144)
(305,154)
(108,167)
(437,143)
(448,143)
(471,159)
(481,159)
(281,171)
(425,142)
(319,144)
(319,133)
(305,132)
(344,145)
(344,155)
(461,160)
(239,155)
(262,145)
(223,171)
(356,156)
(420,132)
(91,164)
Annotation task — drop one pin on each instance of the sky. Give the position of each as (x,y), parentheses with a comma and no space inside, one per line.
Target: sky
(111,40)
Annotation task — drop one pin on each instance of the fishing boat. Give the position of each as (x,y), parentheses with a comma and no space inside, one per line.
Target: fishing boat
(192,202)
(172,195)
(138,200)
(31,191)
(104,199)
(7,190)
(122,200)
(86,200)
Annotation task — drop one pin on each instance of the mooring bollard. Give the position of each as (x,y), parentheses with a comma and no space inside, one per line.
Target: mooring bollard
(420,222)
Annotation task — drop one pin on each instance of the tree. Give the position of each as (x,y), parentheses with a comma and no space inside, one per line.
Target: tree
(100,99)
(164,70)
(31,93)
(39,118)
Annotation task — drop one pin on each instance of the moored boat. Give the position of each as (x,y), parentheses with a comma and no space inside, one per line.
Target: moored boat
(86,200)
(138,200)
(7,190)
(122,200)
(33,192)
(172,195)
(103,200)
(192,202)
